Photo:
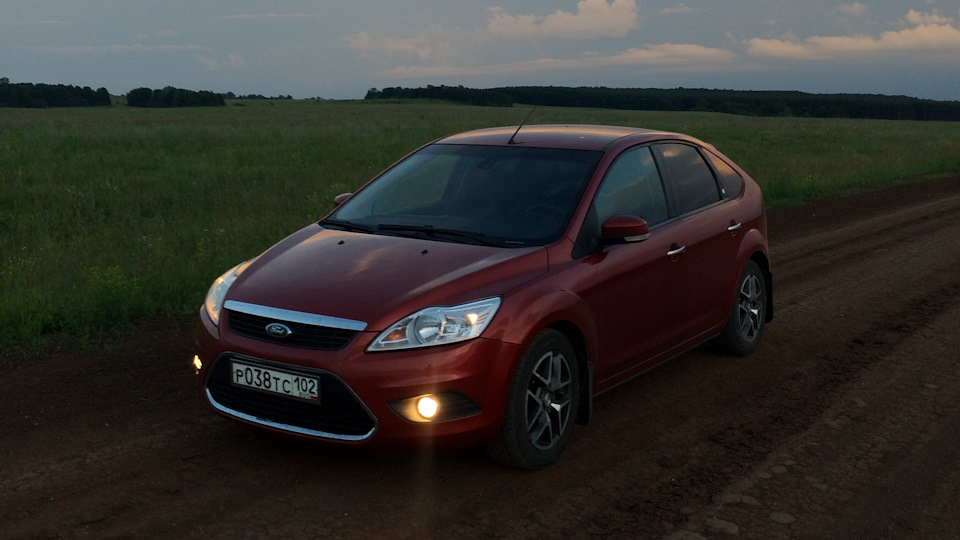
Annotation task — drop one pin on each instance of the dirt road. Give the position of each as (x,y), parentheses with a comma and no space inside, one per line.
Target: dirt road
(845,424)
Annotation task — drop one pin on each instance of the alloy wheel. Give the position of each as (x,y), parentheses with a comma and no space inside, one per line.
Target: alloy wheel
(751,305)
(548,400)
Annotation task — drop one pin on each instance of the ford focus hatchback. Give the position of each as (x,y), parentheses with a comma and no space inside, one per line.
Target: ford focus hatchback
(485,288)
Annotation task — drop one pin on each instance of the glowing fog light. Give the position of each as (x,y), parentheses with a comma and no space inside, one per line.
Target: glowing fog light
(442,406)
(197,363)
(428,407)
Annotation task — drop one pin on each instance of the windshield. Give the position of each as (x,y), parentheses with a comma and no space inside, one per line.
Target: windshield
(494,195)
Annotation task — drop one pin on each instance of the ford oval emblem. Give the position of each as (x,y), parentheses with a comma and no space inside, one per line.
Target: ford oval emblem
(277,330)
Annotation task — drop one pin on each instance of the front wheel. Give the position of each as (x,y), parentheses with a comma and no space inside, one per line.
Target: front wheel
(541,405)
(745,326)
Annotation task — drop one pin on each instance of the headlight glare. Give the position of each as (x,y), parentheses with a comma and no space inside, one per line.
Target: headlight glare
(438,325)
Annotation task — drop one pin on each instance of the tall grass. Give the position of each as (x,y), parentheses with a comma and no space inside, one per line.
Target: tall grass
(109,215)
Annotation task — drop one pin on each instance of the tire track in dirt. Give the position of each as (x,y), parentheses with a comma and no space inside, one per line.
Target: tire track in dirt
(850,395)
(890,407)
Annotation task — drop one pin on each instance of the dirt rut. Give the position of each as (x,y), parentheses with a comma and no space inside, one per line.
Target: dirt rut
(844,424)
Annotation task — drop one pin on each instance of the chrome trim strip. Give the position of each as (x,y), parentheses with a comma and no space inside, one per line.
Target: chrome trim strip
(286,427)
(295,316)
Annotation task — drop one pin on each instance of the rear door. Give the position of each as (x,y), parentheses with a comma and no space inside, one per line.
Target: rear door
(711,228)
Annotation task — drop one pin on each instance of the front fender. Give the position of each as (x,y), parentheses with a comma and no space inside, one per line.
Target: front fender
(528,312)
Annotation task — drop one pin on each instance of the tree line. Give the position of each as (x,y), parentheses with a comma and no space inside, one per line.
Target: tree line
(41,96)
(460,94)
(173,97)
(741,102)
(231,95)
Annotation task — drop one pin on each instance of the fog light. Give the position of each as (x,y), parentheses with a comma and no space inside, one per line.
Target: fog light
(442,406)
(427,407)
(197,363)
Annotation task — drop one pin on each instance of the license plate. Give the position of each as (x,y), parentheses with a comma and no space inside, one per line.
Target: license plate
(274,381)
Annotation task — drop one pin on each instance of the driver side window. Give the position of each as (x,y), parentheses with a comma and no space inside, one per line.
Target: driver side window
(632,187)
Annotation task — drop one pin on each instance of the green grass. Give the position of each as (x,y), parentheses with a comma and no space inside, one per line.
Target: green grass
(110,215)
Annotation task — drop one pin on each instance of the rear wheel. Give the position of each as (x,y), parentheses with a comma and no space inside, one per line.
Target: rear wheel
(541,405)
(749,314)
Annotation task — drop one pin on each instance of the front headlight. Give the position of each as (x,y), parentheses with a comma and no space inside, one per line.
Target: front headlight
(437,325)
(218,291)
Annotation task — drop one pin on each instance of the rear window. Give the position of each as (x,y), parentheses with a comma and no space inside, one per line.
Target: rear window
(688,177)
(730,180)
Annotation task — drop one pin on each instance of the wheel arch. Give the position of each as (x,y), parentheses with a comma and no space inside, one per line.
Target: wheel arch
(763,262)
(753,247)
(576,338)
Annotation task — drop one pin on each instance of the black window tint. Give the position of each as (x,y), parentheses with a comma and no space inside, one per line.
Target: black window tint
(689,179)
(511,195)
(729,178)
(632,187)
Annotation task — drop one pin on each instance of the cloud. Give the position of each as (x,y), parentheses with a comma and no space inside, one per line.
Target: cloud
(157,33)
(211,63)
(367,45)
(593,19)
(674,55)
(248,16)
(916,17)
(101,50)
(440,45)
(932,33)
(435,43)
(440,52)
(855,9)
(688,56)
(679,9)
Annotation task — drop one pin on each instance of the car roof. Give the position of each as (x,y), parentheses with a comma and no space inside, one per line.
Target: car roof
(573,136)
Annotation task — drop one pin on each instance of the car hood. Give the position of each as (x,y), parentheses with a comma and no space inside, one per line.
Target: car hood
(379,279)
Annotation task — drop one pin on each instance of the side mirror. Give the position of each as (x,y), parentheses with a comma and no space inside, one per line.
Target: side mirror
(624,230)
(341,198)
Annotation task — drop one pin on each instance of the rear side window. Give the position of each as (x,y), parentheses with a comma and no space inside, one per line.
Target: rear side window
(730,180)
(689,179)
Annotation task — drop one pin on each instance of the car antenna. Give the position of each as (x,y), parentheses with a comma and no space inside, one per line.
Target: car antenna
(514,136)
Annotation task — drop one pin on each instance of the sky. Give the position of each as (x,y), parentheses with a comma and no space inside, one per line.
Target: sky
(340,49)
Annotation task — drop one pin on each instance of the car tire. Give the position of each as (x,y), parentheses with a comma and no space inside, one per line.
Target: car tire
(748,317)
(541,406)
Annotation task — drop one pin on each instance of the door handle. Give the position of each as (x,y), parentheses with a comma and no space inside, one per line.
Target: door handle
(734,226)
(675,252)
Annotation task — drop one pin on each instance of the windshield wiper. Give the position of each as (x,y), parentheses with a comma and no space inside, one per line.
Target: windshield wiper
(348,225)
(430,230)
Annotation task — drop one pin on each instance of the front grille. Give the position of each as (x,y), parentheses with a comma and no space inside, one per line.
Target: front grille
(338,415)
(304,336)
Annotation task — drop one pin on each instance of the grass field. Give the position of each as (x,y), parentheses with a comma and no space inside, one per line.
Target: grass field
(110,215)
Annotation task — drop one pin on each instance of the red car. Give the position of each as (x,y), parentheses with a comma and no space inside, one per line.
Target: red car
(485,288)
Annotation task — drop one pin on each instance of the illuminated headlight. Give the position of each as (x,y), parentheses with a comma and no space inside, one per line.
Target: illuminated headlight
(218,291)
(438,325)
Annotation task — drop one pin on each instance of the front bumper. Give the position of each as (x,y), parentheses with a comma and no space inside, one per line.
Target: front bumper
(361,393)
